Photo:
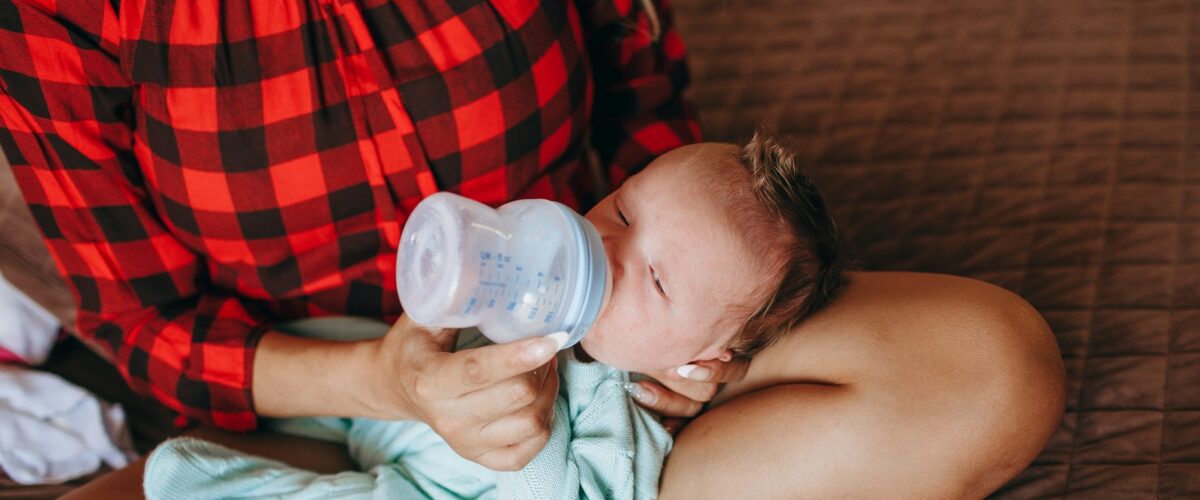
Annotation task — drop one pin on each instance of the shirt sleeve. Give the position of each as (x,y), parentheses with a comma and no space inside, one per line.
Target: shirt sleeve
(66,126)
(639,110)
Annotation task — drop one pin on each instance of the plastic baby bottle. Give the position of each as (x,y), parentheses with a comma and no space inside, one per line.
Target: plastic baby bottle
(529,268)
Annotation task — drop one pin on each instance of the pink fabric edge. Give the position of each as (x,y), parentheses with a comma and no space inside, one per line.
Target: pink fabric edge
(7,356)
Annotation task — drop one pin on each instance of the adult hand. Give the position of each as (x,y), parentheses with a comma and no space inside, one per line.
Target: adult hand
(493,405)
(681,393)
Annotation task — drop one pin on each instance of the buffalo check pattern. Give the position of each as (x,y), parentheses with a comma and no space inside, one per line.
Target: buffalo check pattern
(203,170)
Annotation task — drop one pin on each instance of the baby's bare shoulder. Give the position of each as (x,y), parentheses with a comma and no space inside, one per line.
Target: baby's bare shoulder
(944,373)
(884,324)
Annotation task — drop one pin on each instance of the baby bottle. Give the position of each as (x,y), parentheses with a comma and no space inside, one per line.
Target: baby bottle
(529,268)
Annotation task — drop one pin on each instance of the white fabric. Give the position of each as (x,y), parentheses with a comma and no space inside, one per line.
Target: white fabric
(53,431)
(26,329)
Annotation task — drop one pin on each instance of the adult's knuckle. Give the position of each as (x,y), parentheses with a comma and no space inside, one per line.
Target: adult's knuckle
(526,428)
(541,432)
(535,426)
(509,462)
(425,387)
(521,395)
(468,450)
(539,440)
(441,426)
(545,419)
(453,419)
(491,461)
(452,424)
(474,371)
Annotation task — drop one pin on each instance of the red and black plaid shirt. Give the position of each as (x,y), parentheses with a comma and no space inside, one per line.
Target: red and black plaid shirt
(203,170)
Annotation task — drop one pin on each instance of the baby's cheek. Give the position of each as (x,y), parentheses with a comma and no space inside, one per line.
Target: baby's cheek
(624,347)
(651,352)
(631,344)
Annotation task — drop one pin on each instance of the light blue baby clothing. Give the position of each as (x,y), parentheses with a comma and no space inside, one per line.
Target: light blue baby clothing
(602,445)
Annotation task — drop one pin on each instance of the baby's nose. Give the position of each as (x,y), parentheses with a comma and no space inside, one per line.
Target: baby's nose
(612,249)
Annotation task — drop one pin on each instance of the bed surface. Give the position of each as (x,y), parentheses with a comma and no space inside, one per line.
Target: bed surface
(1046,147)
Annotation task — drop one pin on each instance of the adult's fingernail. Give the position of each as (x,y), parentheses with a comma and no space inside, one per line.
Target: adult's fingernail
(559,338)
(694,372)
(639,393)
(540,350)
(545,347)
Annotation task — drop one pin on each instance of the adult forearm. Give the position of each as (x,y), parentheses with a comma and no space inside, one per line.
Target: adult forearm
(295,376)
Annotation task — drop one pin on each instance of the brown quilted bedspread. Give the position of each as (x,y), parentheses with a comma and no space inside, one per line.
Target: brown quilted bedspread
(1045,146)
(1042,146)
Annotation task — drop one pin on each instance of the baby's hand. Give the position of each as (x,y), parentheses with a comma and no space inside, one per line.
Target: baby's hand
(684,390)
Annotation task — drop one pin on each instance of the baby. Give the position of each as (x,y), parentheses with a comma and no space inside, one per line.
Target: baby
(716,251)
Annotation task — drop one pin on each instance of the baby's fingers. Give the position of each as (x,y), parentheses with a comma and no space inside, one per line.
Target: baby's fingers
(662,401)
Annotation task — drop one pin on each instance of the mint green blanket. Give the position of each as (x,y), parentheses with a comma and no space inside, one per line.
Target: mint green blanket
(602,446)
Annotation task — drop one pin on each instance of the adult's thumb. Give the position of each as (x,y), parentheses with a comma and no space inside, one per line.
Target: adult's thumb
(441,339)
(444,338)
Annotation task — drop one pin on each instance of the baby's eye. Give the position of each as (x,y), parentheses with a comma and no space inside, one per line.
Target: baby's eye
(657,282)
(622,216)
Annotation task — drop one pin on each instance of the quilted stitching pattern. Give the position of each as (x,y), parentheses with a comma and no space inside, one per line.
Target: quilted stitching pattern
(24,260)
(1046,147)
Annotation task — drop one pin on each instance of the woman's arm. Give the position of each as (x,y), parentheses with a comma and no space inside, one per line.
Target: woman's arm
(67,127)
(66,116)
(640,74)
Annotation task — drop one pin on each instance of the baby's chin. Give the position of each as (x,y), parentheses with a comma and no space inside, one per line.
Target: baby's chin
(629,360)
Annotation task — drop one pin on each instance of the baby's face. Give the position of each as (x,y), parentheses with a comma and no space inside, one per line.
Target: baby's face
(678,265)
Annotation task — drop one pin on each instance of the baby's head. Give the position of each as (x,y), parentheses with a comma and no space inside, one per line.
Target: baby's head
(716,251)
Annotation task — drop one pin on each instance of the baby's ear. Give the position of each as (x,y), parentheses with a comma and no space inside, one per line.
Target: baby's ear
(712,354)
